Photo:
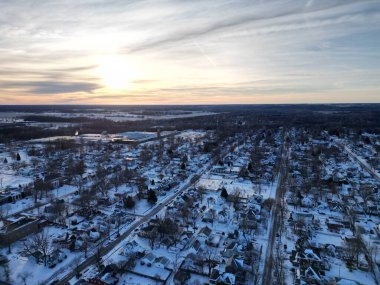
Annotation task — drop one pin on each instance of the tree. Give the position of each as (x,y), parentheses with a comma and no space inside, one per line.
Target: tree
(34,162)
(80,168)
(193,217)
(354,247)
(201,191)
(224,193)
(141,186)
(184,159)
(145,155)
(236,197)
(250,167)
(152,237)
(185,212)
(152,198)
(209,258)
(79,183)
(115,181)
(243,172)
(129,203)
(41,242)
(5,160)
(18,157)
(167,227)
(58,208)
(86,198)
(102,186)
(126,175)
(41,186)
(118,222)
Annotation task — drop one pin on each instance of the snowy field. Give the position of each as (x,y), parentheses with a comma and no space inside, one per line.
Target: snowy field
(246,188)
(103,114)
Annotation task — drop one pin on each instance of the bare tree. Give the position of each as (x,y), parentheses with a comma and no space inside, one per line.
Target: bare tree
(236,196)
(116,181)
(119,222)
(152,237)
(141,186)
(354,247)
(209,258)
(184,213)
(201,191)
(58,209)
(42,243)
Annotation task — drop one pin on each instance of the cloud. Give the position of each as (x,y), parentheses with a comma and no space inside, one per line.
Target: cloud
(187,50)
(241,20)
(51,87)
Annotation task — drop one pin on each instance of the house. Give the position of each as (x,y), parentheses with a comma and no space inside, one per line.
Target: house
(249,219)
(94,235)
(195,246)
(209,215)
(307,218)
(132,248)
(310,258)
(219,169)
(148,259)
(106,279)
(56,257)
(15,229)
(215,273)
(146,231)
(162,262)
(311,277)
(181,277)
(130,162)
(363,263)
(9,197)
(334,226)
(307,202)
(38,256)
(52,208)
(205,232)
(223,216)
(226,279)
(230,249)
(233,265)
(213,240)
(192,263)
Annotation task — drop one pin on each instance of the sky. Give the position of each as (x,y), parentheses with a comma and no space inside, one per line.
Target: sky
(189,52)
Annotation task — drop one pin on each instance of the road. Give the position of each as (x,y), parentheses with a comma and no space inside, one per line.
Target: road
(113,244)
(276,219)
(362,162)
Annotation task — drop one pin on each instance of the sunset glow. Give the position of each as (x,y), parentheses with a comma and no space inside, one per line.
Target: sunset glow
(116,73)
(182,52)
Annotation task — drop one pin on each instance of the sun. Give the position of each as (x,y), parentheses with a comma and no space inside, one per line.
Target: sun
(116,72)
